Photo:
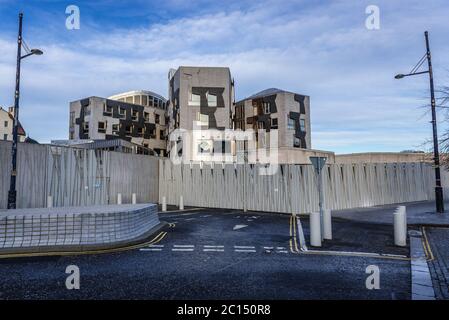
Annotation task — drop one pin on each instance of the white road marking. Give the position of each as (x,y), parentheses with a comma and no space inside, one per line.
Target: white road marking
(183,245)
(269,248)
(280,248)
(239,226)
(213,250)
(156,246)
(210,246)
(184,249)
(244,247)
(244,250)
(283,251)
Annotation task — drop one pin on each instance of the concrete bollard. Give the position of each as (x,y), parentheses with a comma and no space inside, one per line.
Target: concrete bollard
(119,198)
(315,229)
(164,204)
(134,198)
(400,226)
(327,224)
(181,203)
(49,202)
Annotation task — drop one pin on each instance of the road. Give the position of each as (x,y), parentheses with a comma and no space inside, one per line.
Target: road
(218,254)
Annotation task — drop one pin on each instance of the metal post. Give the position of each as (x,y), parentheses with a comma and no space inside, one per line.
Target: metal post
(436,155)
(320,200)
(12,194)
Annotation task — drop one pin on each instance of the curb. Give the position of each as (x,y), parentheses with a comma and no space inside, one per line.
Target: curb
(422,287)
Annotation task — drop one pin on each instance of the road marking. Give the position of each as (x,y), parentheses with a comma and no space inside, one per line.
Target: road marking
(280,248)
(244,247)
(269,248)
(239,226)
(282,251)
(183,246)
(244,250)
(156,245)
(210,246)
(182,249)
(213,250)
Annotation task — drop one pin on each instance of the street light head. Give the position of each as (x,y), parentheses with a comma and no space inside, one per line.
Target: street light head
(37,52)
(399,76)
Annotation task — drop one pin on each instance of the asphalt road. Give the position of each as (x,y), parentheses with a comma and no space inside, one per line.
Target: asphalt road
(211,254)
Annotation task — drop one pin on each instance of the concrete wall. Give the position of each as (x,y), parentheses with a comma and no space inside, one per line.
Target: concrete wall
(382,157)
(293,188)
(76,177)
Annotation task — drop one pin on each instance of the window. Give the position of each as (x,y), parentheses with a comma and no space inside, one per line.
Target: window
(134,115)
(146,115)
(211,100)
(5,137)
(86,128)
(202,118)
(266,107)
(150,101)
(107,109)
(156,102)
(260,125)
(162,134)
(195,100)
(129,99)
(137,100)
(102,127)
(153,133)
(115,128)
(121,111)
(291,123)
(296,142)
(144,100)
(128,129)
(157,118)
(6,122)
(302,125)
(274,123)
(141,131)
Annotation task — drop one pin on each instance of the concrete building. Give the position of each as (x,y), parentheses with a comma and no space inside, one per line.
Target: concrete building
(138,117)
(200,102)
(7,123)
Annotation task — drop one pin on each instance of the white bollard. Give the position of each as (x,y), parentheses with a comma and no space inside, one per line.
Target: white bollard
(134,198)
(49,202)
(327,224)
(181,203)
(400,226)
(315,229)
(164,204)
(119,198)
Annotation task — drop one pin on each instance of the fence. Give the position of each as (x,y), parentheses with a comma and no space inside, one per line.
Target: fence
(293,188)
(76,177)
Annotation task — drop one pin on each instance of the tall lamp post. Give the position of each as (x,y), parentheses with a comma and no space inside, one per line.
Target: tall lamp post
(436,155)
(12,194)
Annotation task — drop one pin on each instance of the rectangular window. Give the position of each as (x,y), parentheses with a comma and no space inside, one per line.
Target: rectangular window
(302,125)
(156,102)
(115,128)
(121,111)
(150,101)
(291,123)
(72,119)
(296,142)
(274,123)
(144,100)
(134,115)
(195,100)
(6,123)
(5,136)
(107,109)
(86,128)
(266,107)
(146,115)
(141,131)
(128,129)
(202,118)
(211,100)
(137,100)
(102,127)
(162,134)
(157,118)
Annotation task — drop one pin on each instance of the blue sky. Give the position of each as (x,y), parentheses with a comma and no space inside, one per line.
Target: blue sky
(318,48)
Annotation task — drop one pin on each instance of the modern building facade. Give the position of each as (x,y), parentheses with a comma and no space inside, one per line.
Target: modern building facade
(138,117)
(7,124)
(200,103)
(275,109)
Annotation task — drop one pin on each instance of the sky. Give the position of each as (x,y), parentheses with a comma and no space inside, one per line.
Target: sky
(322,49)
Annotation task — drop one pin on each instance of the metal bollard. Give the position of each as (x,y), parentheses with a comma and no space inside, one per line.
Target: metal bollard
(134,198)
(181,203)
(315,229)
(164,204)
(327,224)
(49,202)
(119,198)
(400,226)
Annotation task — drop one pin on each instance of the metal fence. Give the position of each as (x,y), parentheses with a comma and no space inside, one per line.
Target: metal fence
(293,188)
(76,177)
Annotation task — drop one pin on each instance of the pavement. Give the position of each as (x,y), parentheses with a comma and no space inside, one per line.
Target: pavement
(221,254)
(439,260)
(418,213)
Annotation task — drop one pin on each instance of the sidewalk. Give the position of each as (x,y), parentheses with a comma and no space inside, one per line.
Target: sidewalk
(418,213)
(439,262)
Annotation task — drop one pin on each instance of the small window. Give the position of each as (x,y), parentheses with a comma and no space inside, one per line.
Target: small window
(137,100)
(195,100)
(156,102)
(134,115)
(86,127)
(152,133)
(157,118)
(150,101)
(102,127)
(302,125)
(162,134)
(107,109)
(6,122)
(146,115)
(291,123)
(141,130)
(5,136)
(266,107)
(211,100)
(274,123)
(296,142)
(121,111)
(115,128)
(128,129)
(144,100)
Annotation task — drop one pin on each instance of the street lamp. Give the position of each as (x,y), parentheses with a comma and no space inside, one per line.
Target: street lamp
(12,186)
(436,155)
